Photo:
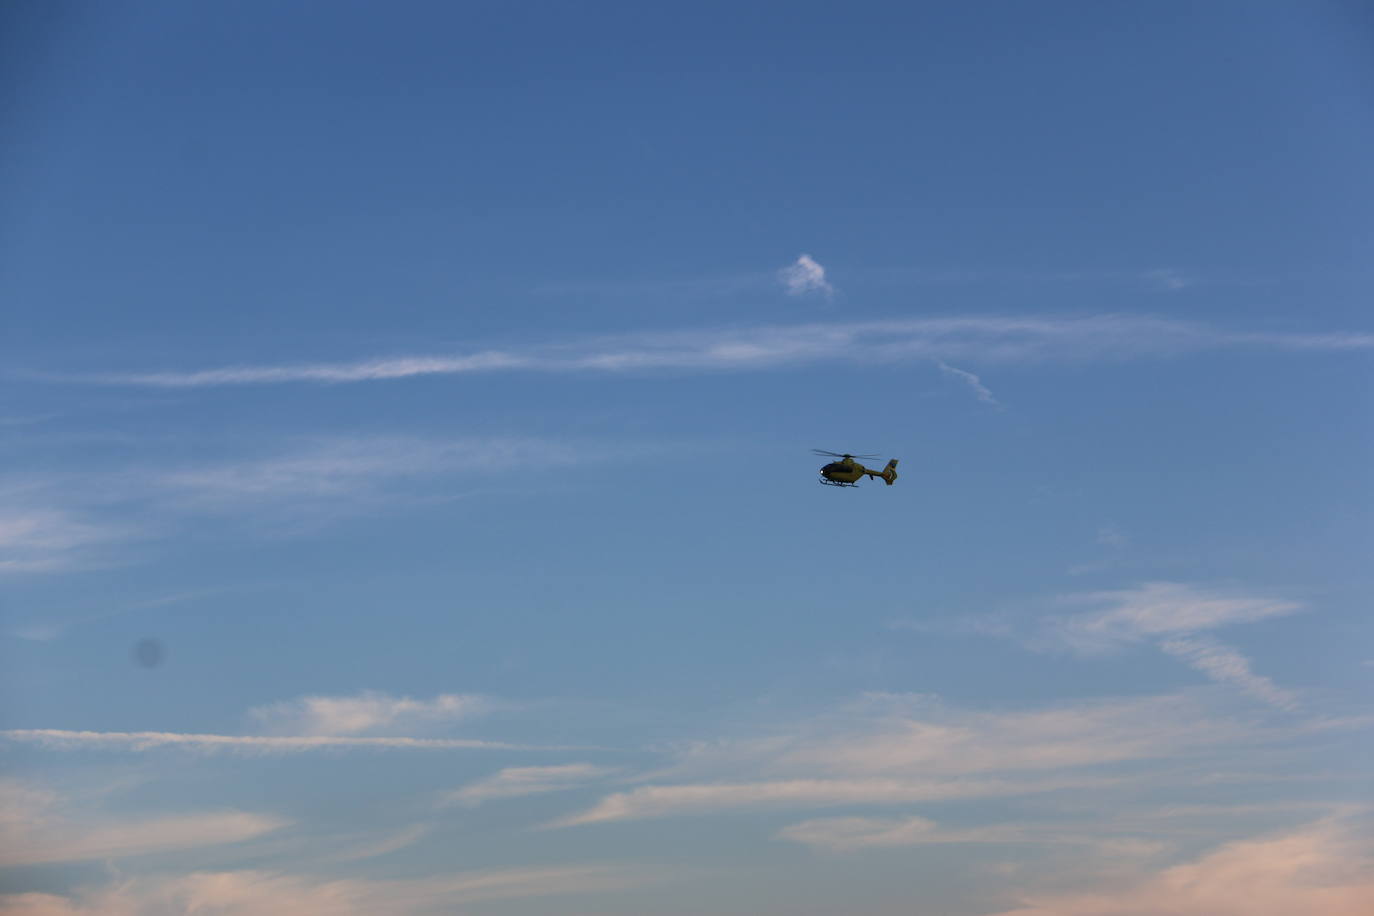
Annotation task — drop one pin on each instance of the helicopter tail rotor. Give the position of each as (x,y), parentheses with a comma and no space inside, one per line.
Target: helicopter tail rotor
(889,474)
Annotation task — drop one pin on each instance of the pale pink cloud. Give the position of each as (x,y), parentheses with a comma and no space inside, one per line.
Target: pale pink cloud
(1319,870)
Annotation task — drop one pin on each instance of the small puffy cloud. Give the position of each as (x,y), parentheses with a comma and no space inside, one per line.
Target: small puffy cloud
(805,275)
(369,711)
(513,782)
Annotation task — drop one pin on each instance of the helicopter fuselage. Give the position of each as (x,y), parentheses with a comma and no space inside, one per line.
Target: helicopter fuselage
(847,472)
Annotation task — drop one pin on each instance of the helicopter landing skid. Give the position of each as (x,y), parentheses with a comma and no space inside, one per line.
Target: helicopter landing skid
(836,483)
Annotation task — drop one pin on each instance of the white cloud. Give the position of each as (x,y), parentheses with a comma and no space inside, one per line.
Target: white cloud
(985,339)
(1227,666)
(266,893)
(61,739)
(364,712)
(980,390)
(1319,870)
(804,275)
(513,782)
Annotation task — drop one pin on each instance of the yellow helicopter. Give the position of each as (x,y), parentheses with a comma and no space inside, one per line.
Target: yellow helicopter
(847,472)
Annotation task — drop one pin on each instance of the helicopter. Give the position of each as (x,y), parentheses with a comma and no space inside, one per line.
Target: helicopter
(847,472)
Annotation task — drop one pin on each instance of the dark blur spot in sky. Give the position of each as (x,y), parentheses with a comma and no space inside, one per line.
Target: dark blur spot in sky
(149,653)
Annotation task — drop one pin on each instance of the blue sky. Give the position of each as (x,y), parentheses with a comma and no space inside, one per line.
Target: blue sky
(432,388)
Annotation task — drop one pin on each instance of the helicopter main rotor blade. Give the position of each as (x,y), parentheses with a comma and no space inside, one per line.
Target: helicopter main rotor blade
(821,451)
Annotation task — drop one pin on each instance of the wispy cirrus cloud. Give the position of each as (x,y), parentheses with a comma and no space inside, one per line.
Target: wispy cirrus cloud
(785,794)
(1110,535)
(898,750)
(138,838)
(1158,609)
(50,628)
(43,539)
(844,834)
(984,339)
(1169,278)
(337,470)
(64,739)
(309,723)
(804,275)
(1175,616)
(401,839)
(37,827)
(514,782)
(337,467)
(893,749)
(1227,666)
(275,893)
(1150,830)
(980,391)
(58,521)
